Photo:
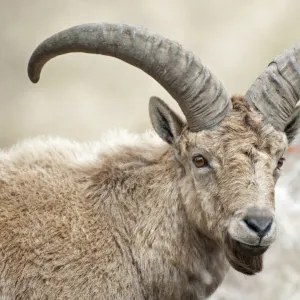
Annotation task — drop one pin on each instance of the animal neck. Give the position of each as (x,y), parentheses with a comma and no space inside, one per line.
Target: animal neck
(142,188)
(166,241)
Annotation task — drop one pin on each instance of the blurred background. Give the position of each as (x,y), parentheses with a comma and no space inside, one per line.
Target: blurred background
(82,96)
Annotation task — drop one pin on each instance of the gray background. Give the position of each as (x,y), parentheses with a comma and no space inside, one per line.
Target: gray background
(81,96)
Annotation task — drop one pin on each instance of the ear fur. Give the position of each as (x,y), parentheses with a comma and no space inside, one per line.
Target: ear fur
(167,124)
(293,125)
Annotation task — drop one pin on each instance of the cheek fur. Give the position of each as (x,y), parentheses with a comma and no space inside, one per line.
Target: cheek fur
(203,176)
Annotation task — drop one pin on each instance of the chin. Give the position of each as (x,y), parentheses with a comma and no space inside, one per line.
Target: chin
(244,258)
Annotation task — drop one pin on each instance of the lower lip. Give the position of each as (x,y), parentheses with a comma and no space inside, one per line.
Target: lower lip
(250,246)
(253,250)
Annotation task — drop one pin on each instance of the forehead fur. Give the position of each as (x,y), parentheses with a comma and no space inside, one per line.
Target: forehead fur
(243,130)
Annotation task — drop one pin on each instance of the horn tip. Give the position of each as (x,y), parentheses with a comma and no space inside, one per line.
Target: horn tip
(34,78)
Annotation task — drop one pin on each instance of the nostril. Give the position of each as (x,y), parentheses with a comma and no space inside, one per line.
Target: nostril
(261,225)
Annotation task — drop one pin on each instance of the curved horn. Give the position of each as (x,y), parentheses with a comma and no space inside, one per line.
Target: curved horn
(276,91)
(199,94)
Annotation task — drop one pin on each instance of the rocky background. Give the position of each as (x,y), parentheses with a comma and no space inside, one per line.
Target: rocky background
(82,96)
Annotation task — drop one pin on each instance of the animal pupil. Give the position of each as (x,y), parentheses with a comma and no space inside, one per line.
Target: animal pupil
(280,163)
(199,161)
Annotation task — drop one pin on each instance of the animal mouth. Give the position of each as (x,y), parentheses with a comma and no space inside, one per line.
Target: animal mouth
(248,250)
(245,258)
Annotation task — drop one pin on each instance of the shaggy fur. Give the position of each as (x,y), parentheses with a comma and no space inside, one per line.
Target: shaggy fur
(280,279)
(133,221)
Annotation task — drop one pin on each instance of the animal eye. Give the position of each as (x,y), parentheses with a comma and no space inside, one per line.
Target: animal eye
(199,161)
(280,163)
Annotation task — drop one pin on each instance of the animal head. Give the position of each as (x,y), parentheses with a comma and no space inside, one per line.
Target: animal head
(229,150)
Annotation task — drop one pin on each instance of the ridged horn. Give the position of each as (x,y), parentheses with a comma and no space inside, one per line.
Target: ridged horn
(276,91)
(199,94)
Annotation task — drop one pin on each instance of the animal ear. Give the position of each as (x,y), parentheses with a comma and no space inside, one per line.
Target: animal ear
(167,124)
(293,125)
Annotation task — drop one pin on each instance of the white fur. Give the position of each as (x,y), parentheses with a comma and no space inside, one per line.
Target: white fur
(76,152)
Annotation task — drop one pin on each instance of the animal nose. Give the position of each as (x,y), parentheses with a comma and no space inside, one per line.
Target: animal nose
(259,220)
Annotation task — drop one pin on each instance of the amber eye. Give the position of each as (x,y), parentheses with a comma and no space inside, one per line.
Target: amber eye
(280,163)
(199,161)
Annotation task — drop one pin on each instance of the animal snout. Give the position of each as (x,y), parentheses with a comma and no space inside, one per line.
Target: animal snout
(259,220)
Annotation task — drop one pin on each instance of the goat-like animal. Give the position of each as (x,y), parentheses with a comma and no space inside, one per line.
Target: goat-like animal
(149,218)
